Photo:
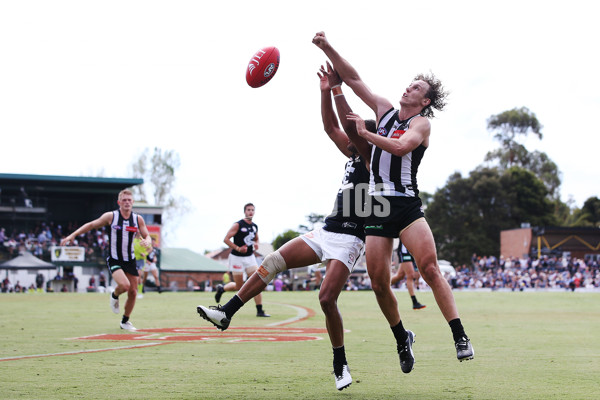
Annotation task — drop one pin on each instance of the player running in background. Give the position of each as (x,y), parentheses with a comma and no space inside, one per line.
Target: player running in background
(242,239)
(150,266)
(398,147)
(124,224)
(339,243)
(407,268)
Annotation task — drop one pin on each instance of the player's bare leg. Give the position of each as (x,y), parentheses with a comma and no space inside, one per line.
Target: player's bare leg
(378,268)
(419,241)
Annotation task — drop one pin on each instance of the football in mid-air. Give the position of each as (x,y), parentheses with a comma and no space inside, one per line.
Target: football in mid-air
(262,66)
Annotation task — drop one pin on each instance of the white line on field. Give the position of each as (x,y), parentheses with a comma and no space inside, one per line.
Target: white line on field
(70,353)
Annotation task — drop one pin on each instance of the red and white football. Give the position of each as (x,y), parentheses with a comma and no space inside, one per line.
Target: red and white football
(262,66)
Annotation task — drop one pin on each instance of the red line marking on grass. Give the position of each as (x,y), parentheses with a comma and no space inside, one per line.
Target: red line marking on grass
(274,332)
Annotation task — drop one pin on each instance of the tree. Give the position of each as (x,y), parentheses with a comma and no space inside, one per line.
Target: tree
(507,126)
(591,211)
(283,238)
(313,219)
(158,171)
(467,214)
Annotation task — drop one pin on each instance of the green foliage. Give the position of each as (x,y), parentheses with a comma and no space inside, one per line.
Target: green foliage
(591,211)
(283,238)
(507,126)
(313,219)
(467,214)
(518,121)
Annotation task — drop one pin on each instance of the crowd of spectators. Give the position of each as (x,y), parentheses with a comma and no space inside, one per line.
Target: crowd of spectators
(43,236)
(547,272)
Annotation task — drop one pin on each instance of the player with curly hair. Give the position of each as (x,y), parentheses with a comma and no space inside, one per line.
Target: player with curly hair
(398,147)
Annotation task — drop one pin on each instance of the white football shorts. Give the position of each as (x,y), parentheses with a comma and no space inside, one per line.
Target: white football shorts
(149,267)
(239,265)
(335,246)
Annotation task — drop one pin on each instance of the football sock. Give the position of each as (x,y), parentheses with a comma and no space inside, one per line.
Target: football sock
(339,360)
(400,333)
(339,356)
(458,331)
(125,319)
(232,306)
(414,300)
(113,295)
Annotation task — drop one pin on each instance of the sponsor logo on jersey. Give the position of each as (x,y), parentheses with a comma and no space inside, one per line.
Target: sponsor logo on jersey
(382,131)
(244,229)
(374,227)
(117,227)
(131,229)
(398,133)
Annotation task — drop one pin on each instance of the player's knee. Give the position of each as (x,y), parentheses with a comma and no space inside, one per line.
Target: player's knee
(124,287)
(272,265)
(328,301)
(379,286)
(430,271)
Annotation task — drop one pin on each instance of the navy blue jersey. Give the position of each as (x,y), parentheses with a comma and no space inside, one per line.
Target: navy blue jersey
(348,214)
(245,237)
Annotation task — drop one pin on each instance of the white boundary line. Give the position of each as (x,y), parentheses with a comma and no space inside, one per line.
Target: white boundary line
(302,313)
(71,353)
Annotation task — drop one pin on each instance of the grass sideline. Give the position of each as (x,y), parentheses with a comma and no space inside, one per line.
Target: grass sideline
(528,345)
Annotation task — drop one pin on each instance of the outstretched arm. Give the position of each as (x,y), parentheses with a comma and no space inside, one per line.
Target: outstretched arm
(350,76)
(343,109)
(330,121)
(104,220)
(417,134)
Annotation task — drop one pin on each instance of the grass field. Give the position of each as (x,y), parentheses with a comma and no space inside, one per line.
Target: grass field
(542,345)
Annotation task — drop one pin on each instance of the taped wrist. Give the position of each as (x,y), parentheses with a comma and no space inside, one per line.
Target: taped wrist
(271,266)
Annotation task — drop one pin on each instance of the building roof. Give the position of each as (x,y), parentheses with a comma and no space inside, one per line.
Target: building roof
(178,259)
(68,183)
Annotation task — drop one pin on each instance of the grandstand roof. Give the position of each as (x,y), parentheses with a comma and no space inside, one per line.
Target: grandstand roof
(57,183)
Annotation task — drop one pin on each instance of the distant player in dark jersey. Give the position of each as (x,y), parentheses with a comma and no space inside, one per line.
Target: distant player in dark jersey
(398,147)
(339,243)
(150,266)
(124,224)
(407,268)
(242,239)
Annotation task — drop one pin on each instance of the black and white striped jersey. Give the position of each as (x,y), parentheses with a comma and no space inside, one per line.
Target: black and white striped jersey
(122,233)
(392,175)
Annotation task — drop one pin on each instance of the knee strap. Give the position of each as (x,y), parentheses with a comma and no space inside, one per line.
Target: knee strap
(271,266)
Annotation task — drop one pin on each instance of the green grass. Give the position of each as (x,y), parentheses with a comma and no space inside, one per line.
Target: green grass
(528,346)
